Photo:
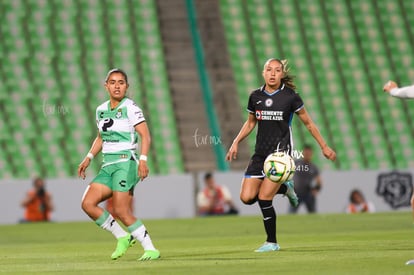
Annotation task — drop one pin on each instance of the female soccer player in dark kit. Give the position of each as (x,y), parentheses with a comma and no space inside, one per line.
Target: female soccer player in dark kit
(272,107)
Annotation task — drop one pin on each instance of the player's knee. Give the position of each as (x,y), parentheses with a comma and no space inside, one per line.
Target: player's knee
(87,205)
(249,200)
(121,213)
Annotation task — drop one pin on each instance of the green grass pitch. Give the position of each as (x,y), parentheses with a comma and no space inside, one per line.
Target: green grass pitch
(311,244)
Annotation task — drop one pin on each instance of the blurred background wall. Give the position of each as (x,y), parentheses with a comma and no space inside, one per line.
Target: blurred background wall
(173,196)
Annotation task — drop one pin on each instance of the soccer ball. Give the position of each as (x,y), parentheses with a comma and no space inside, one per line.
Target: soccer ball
(279,167)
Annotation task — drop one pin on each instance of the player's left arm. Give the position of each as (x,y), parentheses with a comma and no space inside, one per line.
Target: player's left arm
(145,138)
(95,149)
(313,129)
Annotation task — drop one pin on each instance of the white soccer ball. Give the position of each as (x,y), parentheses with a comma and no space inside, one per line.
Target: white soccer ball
(279,167)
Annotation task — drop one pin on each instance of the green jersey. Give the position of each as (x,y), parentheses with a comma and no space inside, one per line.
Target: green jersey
(117,126)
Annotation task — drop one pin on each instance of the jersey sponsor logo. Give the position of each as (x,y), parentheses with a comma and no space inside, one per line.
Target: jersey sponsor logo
(109,136)
(108,122)
(269,115)
(116,126)
(269,102)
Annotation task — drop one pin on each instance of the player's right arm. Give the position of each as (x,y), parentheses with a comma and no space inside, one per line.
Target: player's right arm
(245,130)
(95,149)
(314,131)
(403,92)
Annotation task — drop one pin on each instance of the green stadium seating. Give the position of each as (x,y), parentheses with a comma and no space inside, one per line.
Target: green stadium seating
(55,54)
(339,72)
(375,53)
(60,52)
(398,41)
(159,101)
(239,48)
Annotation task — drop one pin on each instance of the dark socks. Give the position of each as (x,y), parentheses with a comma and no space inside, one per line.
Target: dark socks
(269,220)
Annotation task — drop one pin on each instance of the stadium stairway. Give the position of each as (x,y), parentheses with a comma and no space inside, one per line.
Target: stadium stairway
(185,88)
(226,99)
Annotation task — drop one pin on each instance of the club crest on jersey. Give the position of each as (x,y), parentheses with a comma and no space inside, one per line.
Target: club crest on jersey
(269,102)
(119,113)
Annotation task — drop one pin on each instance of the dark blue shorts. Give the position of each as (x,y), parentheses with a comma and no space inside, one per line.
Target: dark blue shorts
(255,167)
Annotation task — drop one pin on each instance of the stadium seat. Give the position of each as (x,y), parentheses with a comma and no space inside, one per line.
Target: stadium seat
(339,75)
(375,53)
(241,55)
(159,103)
(400,66)
(61,62)
(60,52)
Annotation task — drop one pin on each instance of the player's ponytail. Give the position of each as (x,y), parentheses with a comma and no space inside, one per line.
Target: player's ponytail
(287,79)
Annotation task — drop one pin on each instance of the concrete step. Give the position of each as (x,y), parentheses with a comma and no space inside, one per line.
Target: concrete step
(171,9)
(184,84)
(186,72)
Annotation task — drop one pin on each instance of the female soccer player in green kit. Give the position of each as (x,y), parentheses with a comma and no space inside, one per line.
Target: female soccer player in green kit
(272,107)
(120,121)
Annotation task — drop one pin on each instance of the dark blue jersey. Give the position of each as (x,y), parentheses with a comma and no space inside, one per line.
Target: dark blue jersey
(274,112)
